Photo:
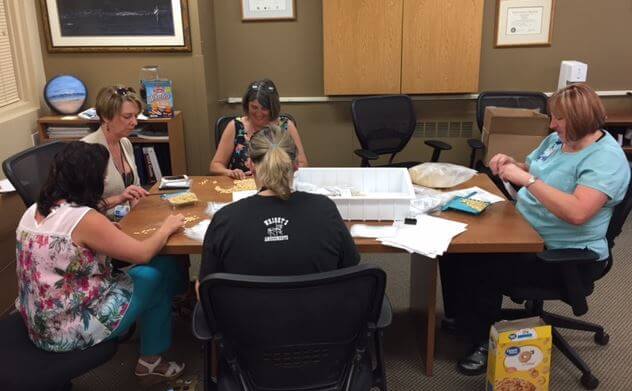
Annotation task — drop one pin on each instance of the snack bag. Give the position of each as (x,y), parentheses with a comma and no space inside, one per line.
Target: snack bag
(519,356)
(159,98)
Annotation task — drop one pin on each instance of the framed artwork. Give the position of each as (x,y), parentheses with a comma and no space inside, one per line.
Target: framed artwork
(116,25)
(258,10)
(524,22)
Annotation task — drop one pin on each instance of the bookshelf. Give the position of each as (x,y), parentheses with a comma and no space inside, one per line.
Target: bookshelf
(174,128)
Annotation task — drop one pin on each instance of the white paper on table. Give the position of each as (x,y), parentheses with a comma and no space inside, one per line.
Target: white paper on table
(238,195)
(6,186)
(431,236)
(372,231)
(198,231)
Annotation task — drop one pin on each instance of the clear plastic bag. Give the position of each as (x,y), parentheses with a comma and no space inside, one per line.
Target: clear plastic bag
(440,175)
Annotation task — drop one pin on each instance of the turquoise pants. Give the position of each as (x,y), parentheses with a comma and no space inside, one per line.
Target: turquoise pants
(155,284)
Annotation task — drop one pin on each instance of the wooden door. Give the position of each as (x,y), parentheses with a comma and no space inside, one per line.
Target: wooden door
(441,46)
(362,42)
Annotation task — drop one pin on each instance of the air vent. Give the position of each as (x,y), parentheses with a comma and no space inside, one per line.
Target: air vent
(444,129)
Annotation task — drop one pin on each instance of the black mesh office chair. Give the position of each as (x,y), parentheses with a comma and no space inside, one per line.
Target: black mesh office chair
(221,123)
(26,367)
(310,332)
(510,99)
(573,290)
(384,125)
(27,171)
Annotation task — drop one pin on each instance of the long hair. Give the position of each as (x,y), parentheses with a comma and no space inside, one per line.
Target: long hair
(77,175)
(273,152)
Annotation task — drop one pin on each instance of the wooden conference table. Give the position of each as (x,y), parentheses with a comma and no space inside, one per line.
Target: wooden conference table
(499,229)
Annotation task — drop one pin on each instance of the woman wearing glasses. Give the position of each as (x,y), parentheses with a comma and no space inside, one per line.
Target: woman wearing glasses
(261,107)
(117,108)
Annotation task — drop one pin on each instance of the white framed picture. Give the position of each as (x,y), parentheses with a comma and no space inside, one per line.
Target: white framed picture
(257,10)
(524,22)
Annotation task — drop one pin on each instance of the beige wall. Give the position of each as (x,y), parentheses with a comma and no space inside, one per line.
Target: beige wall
(228,53)
(187,70)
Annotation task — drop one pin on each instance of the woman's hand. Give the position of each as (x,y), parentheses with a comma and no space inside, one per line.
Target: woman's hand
(498,161)
(133,193)
(238,174)
(172,224)
(510,172)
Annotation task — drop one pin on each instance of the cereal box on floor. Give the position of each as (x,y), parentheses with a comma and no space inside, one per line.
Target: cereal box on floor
(519,356)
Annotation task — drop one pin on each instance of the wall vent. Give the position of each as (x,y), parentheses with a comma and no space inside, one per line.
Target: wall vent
(444,129)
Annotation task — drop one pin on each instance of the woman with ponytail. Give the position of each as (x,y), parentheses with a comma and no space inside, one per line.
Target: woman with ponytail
(278,231)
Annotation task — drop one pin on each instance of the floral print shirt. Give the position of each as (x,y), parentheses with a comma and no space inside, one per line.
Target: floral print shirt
(68,297)
(240,151)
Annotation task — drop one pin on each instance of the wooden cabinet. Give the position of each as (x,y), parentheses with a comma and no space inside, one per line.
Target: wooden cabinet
(174,128)
(407,46)
(12,209)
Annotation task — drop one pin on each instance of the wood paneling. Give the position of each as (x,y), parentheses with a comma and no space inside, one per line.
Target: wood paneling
(362,46)
(12,210)
(441,46)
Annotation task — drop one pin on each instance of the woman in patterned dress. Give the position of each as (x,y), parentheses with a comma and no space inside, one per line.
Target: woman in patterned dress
(68,296)
(261,107)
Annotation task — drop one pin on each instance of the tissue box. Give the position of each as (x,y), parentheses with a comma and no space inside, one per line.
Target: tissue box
(519,355)
(514,132)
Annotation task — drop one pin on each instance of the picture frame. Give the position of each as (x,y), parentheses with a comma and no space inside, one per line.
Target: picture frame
(266,10)
(524,23)
(124,26)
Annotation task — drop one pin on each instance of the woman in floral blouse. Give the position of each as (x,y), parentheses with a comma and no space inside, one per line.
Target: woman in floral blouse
(68,296)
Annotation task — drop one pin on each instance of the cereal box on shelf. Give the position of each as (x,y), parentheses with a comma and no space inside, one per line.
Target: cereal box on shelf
(159,98)
(519,356)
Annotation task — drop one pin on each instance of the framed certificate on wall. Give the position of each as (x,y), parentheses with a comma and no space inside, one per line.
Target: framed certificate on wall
(524,22)
(257,10)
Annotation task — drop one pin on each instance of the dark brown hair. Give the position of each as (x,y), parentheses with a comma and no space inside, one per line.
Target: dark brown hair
(582,109)
(265,92)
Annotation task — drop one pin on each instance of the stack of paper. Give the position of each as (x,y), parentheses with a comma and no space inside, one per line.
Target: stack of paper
(430,237)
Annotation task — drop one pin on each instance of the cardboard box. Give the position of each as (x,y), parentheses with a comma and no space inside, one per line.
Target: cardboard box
(514,132)
(519,356)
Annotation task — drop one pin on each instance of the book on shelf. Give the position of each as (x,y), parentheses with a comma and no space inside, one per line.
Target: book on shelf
(141,169)
(59,132)
(156,135)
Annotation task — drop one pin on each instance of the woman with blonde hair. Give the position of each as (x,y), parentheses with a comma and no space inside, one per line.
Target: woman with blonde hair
(570,185)
(277,231)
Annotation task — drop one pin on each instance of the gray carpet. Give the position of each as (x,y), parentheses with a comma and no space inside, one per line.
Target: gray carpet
(609,305)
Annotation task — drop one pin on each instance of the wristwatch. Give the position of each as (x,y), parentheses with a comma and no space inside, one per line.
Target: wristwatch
(531,181)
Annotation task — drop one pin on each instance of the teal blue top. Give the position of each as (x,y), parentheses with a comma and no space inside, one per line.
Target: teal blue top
(601,166)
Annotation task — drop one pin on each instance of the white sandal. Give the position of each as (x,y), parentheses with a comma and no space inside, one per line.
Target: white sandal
(173,371)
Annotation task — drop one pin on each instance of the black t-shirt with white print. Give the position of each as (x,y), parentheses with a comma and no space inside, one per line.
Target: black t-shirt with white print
(269,236)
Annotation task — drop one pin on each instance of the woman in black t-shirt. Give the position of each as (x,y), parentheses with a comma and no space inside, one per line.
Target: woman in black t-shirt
(278,231)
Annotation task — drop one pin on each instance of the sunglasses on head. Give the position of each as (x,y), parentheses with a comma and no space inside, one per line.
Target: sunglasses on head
(257,87)
(124,91)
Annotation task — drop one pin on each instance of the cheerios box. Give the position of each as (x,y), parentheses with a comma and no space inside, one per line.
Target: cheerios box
(519,356)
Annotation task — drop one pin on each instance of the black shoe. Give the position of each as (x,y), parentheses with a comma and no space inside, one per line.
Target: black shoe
(475,363)
(449,326)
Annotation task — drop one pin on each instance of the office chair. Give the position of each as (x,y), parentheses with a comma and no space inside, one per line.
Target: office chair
(384,125)
(510,99)
(222,121)
(26,367)
(307,332)
(28,170)
(573,290)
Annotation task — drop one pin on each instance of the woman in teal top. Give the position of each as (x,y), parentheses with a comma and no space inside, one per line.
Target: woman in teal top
(569,187)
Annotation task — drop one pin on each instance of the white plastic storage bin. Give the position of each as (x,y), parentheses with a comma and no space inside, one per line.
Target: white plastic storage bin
(386,192)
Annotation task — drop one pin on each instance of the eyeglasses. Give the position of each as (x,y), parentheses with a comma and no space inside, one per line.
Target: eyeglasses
(257,87)
(125,90)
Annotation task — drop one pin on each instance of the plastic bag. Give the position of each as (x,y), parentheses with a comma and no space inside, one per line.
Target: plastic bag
(198,231)
(440,175)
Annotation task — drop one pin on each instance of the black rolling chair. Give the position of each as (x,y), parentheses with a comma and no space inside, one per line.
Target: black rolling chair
(384,125)
(310,332)
(573,290)
(510,99)
(221,123)
(26,367)
(28,170)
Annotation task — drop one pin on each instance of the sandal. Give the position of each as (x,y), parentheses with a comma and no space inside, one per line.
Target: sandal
(173,370)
